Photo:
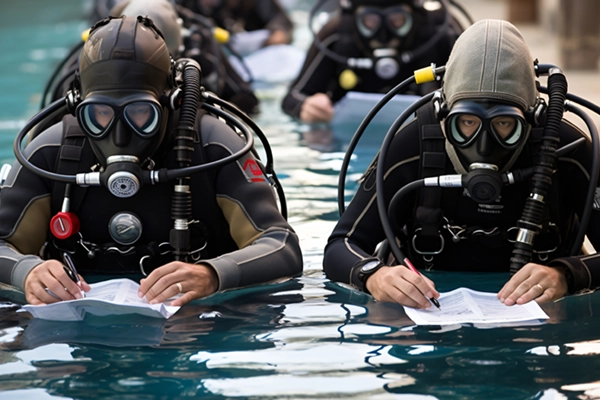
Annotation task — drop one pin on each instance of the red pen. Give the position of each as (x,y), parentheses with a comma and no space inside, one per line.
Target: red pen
(407,262)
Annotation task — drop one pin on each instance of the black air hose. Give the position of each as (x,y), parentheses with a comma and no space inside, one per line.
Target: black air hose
(530,223)
(181,207)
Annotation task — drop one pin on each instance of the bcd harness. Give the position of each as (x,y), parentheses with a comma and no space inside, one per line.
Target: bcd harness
(431,231)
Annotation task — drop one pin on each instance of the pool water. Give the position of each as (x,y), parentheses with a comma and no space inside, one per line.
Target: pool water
(303,338)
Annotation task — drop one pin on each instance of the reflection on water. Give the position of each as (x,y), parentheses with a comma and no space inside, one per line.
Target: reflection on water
(302,338)
(316,338)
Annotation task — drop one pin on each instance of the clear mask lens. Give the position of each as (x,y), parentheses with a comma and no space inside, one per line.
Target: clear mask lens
(507,129)
(142,117)
(97,118)
(399,21)
(370,20)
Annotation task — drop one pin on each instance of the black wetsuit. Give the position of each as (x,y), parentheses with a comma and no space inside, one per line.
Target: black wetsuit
(320,73)
(247,239)
(359,230)
(247,15)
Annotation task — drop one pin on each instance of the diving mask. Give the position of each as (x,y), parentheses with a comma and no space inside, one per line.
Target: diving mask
(98,116)
(485,133)
(122,124)
(398,20)
(467,121)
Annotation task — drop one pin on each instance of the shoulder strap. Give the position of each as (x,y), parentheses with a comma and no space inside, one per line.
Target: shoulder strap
(72,151)
(428,213)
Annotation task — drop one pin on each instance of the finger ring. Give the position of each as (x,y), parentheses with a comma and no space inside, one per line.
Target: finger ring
(66,290)
(178,284)
(541,288)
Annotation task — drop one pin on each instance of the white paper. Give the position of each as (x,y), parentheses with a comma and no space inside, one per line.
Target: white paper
(112,297)
(351,109)
(277,63)
(244,43)
(470,306)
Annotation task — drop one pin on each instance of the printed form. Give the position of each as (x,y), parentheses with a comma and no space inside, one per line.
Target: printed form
(465,305)
(112,297)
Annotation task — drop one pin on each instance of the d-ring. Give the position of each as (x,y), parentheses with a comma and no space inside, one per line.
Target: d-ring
(178,284)
(541,288)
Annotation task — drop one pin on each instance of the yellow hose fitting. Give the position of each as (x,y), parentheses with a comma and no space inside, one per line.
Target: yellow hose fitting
(425,75)
(348,79)
(85,35)
(221,35)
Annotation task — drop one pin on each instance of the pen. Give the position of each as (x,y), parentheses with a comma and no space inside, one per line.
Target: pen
(413,269)
(52,294)
(71,271)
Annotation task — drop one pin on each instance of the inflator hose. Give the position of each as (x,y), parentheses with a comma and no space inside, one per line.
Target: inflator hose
(530,223)
(595,168)
(39,118)
(358,134)
(181,207)
(594,173)
(269,166)
(380,172)
(435,72)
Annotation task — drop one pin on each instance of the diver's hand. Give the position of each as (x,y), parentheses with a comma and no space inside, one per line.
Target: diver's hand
(401,285)
(534,282)
(49,283)
(278,37)
(194,280)
(317,108)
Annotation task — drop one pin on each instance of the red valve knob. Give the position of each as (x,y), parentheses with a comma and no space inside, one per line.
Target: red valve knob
(64,225)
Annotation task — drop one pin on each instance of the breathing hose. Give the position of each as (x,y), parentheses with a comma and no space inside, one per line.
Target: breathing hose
(181,207)
(530,222)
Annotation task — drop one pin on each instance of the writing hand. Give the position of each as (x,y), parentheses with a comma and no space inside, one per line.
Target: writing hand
(534,282)
(51,275)
(400,285)
(193,281)
(317,108)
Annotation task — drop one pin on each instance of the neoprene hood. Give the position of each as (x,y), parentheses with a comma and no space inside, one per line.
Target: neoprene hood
(162,12)
(124,54)
(491,61)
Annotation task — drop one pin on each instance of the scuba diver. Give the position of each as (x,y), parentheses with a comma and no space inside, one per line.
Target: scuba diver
(487,177)
(187,34)
(369,47)
(209,46)
(140,138)
(264,20)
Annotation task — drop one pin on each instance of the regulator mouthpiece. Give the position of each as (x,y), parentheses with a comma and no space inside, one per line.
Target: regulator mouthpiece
(123,176)
(483,182)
